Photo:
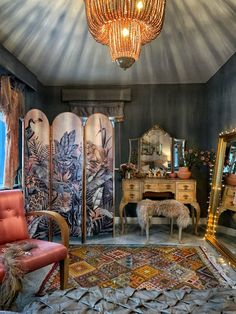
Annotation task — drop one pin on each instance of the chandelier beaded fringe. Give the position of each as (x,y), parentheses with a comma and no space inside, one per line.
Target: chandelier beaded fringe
(125,25)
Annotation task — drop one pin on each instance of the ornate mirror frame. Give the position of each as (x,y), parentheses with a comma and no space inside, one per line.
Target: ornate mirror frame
(216,193)
(177,147)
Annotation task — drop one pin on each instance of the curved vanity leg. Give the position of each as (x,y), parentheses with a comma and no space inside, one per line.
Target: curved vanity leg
(180,234)
(196,206)
(193,216)
(121,211)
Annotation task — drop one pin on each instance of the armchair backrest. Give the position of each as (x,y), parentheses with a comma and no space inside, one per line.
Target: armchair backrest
(13,224)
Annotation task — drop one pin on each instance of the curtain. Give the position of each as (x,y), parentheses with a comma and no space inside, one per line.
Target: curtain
(87,108)
(11,103)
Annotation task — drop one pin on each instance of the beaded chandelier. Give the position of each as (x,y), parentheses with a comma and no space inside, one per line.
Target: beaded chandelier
(125,25)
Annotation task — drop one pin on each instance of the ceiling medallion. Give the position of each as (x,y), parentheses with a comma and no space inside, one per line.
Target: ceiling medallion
(125,25)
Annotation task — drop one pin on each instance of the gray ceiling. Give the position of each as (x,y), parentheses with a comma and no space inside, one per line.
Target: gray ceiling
(51,38)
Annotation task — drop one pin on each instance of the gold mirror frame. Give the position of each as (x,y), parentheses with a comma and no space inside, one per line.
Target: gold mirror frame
(213,210)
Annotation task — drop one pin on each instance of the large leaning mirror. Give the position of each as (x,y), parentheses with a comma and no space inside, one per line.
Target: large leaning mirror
(221,228)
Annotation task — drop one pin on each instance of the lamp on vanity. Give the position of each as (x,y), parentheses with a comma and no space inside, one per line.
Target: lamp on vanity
(125,25)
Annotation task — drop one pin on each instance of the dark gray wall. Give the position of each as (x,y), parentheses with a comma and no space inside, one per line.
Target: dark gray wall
(221,101)
(177,108)
(35,99)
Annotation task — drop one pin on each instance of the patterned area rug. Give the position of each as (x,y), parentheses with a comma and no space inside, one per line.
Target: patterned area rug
(138,267)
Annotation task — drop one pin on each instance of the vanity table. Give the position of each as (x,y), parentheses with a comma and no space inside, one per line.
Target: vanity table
(183,190)
(228,199)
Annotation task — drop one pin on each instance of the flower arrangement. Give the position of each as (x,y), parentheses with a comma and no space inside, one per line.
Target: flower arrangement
(194,157)
(127,169)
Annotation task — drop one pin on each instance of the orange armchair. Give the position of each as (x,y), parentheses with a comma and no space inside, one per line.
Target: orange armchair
(13,230)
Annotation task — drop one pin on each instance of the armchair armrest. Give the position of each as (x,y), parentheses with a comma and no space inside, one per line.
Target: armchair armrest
(59,220)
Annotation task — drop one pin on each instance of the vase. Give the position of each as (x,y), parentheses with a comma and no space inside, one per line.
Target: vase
(230,179)
(184,173)
(127,175)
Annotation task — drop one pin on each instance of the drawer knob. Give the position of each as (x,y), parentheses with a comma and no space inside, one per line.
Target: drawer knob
(186,187)
(185,196)
(148,186)
(167,186)
(131,195)
(131,186)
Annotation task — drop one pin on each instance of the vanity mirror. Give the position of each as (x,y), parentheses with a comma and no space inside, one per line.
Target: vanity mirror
(221,227)
(156,149)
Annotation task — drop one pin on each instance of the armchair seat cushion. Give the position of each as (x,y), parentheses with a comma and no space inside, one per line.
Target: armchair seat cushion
(2,272)
(44,254)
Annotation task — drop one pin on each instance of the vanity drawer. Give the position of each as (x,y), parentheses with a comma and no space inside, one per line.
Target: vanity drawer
(229,202)
(230,192)
(162,187)
(132,196)
(150,187)
(188,186)
(132,186)
(185,197)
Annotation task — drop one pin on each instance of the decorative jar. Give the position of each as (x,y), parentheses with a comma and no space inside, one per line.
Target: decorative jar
(184,173)
(230,179)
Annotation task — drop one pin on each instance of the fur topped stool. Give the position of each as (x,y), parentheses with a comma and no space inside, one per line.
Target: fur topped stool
(168,208)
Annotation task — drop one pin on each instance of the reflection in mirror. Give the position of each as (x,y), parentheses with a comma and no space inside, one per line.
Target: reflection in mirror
(221,228)
(134,147)
(226,227)
(178,152)
(155,150)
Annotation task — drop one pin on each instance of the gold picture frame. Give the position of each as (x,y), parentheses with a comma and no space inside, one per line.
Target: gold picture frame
(215,204)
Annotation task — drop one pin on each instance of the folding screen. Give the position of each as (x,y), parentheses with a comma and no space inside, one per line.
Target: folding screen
(53,171)
(99,175)
(67,169)
(36,166)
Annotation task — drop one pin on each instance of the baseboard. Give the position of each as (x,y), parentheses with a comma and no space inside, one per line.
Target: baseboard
(155,221)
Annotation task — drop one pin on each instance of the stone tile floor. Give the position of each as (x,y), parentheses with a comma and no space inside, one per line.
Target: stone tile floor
(159,235)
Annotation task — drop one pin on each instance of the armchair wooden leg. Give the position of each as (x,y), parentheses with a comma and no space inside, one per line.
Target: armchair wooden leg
(64,273)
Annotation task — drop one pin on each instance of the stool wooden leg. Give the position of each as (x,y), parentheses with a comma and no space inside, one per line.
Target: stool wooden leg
(147,231)
(198,212)
(171,226)
(180,234)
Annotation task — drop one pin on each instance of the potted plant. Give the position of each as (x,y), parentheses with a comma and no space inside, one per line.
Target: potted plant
(127,170)
(194,158)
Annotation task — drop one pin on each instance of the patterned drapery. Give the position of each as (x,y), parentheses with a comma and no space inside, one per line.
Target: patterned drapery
(108,108)
(11,104)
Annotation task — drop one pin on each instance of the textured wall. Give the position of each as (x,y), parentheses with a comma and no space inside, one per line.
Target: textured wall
(221,101)
(179,109)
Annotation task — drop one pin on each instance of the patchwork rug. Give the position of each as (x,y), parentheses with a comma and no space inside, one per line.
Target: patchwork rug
(138,267)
